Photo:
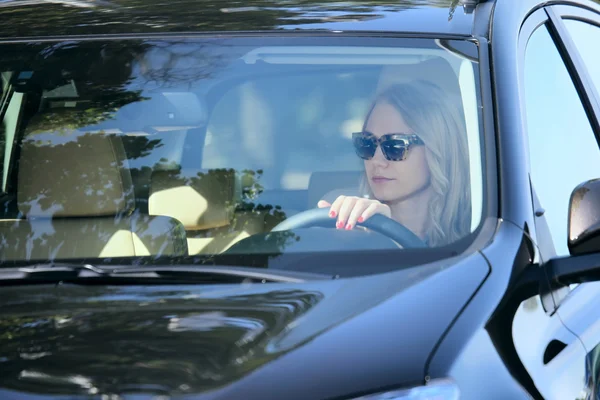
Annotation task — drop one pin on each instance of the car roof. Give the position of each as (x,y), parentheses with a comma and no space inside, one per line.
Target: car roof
(40,18)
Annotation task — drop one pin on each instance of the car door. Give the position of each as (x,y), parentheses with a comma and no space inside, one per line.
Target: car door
(579,30)
(561,118)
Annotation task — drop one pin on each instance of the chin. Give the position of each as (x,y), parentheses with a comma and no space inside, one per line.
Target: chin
(386,196)
(389,196)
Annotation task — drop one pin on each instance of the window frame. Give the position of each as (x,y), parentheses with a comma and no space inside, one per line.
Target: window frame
(562,12)
(577,68)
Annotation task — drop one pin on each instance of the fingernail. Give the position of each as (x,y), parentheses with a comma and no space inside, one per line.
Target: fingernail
(339,225)
(332,214)
(361,219)
(348,227)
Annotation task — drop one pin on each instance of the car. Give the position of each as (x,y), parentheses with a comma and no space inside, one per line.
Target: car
(173,174)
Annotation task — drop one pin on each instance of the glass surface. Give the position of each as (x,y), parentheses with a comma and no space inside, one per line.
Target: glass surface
(179,148)
(562,146)
(586,37)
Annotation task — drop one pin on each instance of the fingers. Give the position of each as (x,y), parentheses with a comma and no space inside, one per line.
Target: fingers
(345,211)
(356,215)
(369,211)
(351,210)
(323,204)
(334,211)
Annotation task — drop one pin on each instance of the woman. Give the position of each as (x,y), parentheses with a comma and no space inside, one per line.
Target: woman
(416,163)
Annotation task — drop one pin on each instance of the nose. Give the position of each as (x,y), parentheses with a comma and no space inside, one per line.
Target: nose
(379,159)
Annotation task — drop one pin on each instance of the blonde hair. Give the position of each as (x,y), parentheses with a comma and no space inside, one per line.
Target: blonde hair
(438,121)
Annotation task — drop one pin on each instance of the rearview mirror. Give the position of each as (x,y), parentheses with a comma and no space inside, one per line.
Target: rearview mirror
(584,218)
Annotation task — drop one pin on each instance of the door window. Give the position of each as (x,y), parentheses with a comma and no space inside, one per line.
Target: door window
(562,146)
(10,109)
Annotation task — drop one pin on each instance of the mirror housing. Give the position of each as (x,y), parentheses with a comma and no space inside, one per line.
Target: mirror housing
(584,218)
(583,265)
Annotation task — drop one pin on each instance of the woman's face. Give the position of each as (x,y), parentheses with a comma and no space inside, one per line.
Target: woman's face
(393,181)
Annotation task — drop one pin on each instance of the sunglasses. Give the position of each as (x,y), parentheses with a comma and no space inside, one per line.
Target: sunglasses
(394,146)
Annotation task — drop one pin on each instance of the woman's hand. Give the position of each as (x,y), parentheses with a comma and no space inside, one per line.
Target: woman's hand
(350,209)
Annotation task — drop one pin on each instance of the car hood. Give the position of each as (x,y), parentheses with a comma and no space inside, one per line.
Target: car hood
(226,341)
(99,17)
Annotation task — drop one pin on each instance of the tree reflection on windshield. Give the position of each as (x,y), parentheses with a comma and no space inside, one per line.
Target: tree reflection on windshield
(117,92)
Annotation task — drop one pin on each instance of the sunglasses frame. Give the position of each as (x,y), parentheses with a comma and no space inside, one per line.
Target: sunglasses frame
(409,140)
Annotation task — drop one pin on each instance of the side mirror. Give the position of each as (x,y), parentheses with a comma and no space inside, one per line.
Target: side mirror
(583,265)
(584,218)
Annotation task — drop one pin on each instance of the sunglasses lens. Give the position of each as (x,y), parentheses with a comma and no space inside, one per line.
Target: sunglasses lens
(365,146)
(394,150)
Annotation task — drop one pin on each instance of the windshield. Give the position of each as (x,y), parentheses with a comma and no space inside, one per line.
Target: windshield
(186,150)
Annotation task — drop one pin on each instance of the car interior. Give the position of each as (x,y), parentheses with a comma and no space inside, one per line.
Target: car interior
(180,173)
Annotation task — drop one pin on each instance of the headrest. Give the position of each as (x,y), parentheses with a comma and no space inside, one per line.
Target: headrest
(69,173)
(198,199)
(327,185)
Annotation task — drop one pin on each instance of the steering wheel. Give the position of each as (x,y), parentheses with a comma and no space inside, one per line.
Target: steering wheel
(378,223)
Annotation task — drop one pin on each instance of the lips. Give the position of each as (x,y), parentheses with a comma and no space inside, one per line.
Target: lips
(381,179)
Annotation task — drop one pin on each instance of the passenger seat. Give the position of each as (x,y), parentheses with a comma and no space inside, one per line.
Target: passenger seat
(75,194)
(205,202)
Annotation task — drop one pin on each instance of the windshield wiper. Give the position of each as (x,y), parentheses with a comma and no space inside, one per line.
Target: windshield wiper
(156,274)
